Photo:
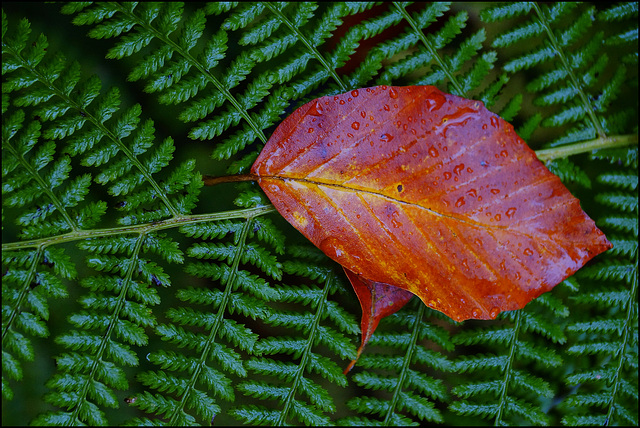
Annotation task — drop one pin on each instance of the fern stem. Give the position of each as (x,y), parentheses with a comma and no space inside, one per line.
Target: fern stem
(306,355)
(434,52)
(587,146)
(623,345)
(202,69)
(408,357)
(140,228)
(574,81)
(300,36)
(230,284)
(507,370)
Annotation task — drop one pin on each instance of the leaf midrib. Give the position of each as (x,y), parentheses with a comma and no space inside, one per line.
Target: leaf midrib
(383,195)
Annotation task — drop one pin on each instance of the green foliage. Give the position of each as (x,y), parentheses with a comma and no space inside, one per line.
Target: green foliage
(149,300)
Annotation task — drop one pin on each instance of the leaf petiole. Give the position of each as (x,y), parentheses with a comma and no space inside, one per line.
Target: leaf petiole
(212,181)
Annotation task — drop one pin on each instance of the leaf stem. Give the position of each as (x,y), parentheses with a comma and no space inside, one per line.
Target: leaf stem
(587,146)
(212,181)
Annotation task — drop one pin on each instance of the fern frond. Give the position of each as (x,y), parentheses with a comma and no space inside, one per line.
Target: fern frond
(181,374)
(514,394)
(609,394)
(571,49)
(410,394)
(298,394)
(99,344)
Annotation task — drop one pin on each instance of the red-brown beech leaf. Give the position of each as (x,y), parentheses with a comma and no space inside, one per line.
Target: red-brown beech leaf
(428,192)
(378,300)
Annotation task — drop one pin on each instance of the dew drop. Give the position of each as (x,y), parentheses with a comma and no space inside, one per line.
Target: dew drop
(363,114)
(431,303)
(469,170)
(355,125)
(341,102)
(472,192)
(510,212)
(504,154)
(447,175)
(435,101)
(495,191)
(476,312)
(386,107)
(350,135)
(458,169)
(460,202)
(310,131)
(316,110)
(528,252)
(518,276)
(433,152)
(494,312)
(354,93)
(494,122)
(498,217)
(484,126)
(393,93)
(386,138)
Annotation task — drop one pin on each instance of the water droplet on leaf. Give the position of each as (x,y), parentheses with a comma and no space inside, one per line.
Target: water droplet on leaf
(316,109)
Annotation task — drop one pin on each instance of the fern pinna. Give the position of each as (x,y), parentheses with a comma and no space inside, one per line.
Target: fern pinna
(198,306)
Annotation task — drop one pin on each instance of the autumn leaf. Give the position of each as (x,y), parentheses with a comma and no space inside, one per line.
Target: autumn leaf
(430,193)
(378,300)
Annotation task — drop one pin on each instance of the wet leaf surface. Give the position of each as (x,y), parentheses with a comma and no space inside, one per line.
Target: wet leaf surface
(428,192)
